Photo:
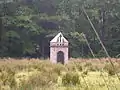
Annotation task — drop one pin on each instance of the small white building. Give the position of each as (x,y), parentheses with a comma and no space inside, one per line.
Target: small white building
(59,49)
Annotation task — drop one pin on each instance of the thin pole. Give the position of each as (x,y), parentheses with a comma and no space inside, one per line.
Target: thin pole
(100,41)
(88,45)
(99,60)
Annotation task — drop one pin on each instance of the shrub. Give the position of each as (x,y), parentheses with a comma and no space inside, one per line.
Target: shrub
(41,80)
(78,66)
(111,71)
(90,67)
(70,79)
(67,79)
(7,77)
(59,68)
(75,79)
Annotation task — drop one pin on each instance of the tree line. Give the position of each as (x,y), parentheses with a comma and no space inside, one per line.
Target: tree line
(27,26)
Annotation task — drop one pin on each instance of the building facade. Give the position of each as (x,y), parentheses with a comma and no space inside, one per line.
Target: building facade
(59,49)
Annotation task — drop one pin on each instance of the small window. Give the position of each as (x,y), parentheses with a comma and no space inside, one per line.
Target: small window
(57,39)
(63,44)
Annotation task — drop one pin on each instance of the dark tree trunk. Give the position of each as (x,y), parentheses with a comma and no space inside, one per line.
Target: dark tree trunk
(102,24)
(43,49)
(1,29)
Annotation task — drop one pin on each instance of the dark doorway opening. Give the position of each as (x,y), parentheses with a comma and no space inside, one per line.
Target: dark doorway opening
(60,57)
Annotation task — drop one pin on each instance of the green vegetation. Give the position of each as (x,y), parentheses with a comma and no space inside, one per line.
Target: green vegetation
(27,24)
(36,74)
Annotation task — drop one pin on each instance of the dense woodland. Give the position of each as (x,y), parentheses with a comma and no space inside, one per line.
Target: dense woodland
(27,26)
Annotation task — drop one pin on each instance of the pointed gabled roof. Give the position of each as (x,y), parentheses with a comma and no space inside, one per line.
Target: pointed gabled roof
(59,38)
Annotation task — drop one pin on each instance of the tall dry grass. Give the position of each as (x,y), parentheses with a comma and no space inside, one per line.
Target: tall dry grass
(35,74)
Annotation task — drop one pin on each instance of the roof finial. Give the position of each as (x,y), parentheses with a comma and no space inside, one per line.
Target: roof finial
(60,30)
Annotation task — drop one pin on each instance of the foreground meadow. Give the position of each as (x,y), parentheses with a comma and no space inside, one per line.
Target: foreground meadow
(79,74)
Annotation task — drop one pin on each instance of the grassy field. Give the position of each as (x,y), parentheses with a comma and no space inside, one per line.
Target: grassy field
(79,74)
